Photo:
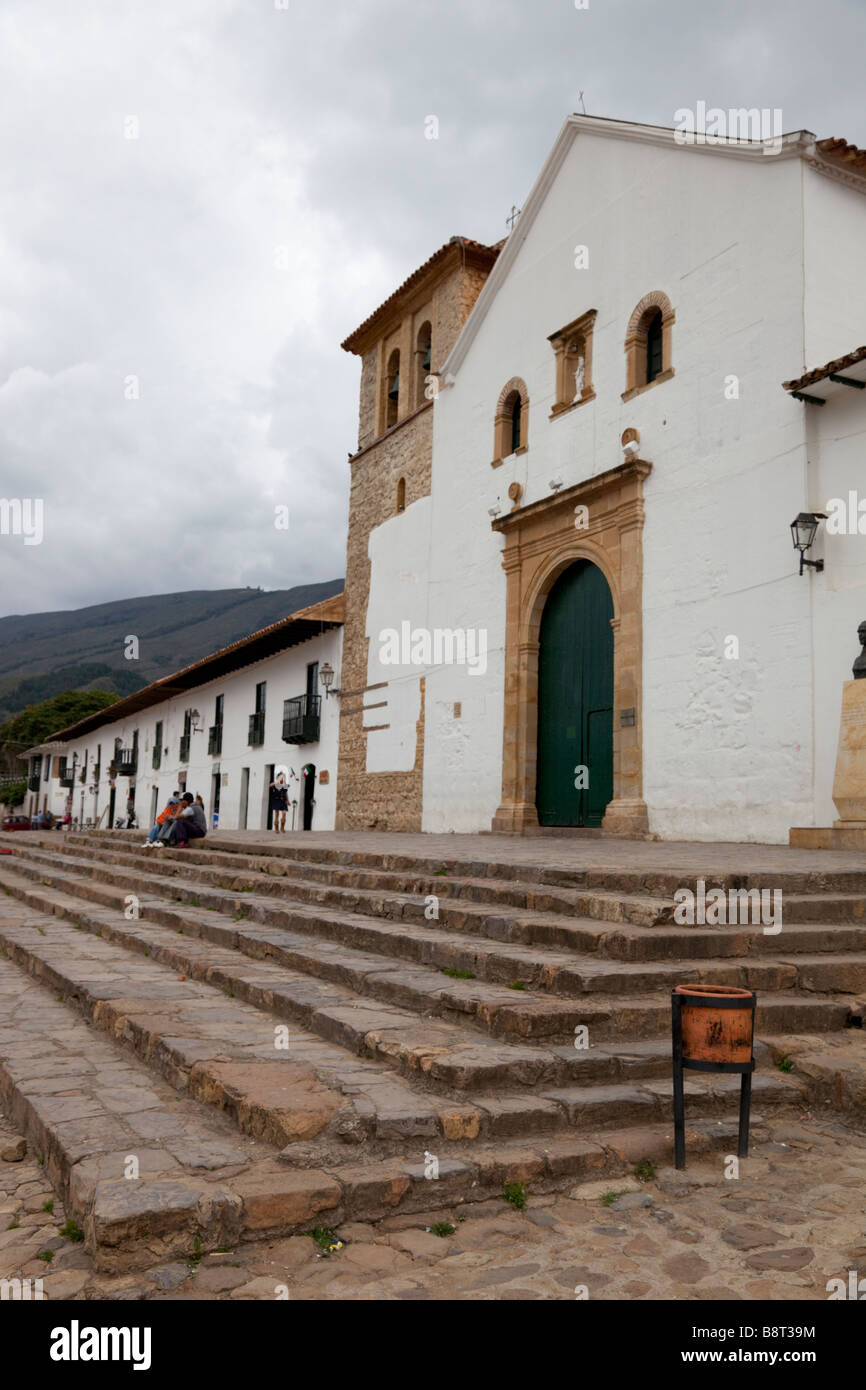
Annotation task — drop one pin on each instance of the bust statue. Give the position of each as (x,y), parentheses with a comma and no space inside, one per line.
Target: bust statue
(859,667)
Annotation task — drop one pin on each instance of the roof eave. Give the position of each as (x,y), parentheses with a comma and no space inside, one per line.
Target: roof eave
(297,627)
(417,286)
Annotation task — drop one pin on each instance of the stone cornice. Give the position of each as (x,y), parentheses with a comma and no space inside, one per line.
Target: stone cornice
(633,471)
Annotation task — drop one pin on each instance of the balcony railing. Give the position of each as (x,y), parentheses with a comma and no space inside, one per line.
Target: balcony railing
(257,729)
(184,748)
(301,719)
(215,740)
(66,779)
(127,761)
(33,781)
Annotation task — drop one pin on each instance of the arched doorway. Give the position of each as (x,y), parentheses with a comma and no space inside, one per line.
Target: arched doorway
(574,780)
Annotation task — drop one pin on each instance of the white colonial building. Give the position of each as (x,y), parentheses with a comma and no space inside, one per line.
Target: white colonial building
(220,727)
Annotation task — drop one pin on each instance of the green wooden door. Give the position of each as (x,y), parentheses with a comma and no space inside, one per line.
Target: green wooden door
(575,700)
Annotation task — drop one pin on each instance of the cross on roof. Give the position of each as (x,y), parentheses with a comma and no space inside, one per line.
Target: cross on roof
(513,216)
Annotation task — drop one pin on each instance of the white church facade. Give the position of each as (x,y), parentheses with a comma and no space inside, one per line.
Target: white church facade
(615,468)
(572,598)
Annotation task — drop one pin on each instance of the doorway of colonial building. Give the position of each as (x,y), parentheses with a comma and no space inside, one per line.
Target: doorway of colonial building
(575,700)
(309,776)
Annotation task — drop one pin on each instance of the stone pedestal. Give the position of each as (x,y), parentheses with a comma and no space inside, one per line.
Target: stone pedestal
(849,784)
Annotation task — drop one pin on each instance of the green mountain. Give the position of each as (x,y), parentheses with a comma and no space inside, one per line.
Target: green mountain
(45,654)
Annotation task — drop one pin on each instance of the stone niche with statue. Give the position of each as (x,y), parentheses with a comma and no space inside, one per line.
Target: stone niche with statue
(849,783)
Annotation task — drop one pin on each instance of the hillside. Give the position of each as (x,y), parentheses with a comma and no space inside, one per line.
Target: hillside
(45,654)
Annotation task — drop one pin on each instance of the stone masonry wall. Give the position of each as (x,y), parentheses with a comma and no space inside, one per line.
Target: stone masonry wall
(390,800)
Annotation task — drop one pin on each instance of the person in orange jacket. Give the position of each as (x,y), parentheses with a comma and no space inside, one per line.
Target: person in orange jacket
(171,810)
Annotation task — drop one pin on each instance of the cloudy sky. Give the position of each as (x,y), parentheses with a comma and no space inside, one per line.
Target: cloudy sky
(201,198)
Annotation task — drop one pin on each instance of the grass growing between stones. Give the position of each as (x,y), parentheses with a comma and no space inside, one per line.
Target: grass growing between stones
(458,974)
(610,1197)
(326,1239)
(645,1170)
(70,1230)
(785,1063)
(443,1228)
(515,1193)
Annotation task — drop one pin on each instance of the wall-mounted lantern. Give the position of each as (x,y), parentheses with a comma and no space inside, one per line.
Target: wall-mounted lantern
(195,724)
(326,676)
(803,530)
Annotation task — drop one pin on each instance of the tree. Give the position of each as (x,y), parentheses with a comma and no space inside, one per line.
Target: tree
(13,793)
(37,723)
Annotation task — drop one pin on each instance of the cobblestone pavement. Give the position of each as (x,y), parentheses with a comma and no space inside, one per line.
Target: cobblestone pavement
(794,1219)
(575,851)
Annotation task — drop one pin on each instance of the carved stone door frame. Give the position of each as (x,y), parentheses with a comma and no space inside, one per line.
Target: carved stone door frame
(541,541)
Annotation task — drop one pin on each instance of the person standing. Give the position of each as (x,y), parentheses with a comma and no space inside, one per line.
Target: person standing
(279,802)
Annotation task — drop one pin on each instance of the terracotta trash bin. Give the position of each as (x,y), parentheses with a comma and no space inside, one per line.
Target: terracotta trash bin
(718,1026)
(713,1030)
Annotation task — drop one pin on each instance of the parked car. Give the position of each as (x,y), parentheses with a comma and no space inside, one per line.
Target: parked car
(16,823)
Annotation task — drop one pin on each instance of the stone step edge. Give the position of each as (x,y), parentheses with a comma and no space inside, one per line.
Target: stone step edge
(646,910)
(314,921)
(474,913)
(454,1113)
(550,875)
(313,915)
(599,1007)
(466,1100)
(209,858)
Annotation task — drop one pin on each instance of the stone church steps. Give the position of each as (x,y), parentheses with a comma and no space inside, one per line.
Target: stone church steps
(627,942)
(435,1055)
(181,1027)
(650,882)
(529,1014)
(637,898)
(649,901)
(545,1114)
(86,1103)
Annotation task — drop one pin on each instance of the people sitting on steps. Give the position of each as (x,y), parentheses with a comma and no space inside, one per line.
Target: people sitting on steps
(189,824)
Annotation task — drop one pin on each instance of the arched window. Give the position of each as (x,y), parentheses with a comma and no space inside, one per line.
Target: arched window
(654,346)
(516,407)
(648,348)
(392,383)
(423,352)
(401,496)
(511,424)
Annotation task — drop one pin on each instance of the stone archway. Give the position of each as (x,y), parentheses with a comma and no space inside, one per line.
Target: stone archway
(542,540)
